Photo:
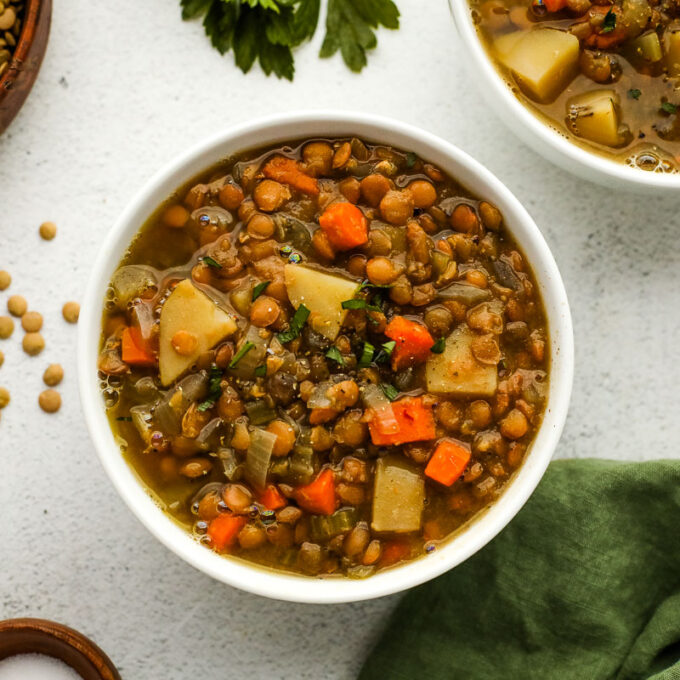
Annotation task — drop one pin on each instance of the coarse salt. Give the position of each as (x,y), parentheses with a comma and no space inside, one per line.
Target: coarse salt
(35,667)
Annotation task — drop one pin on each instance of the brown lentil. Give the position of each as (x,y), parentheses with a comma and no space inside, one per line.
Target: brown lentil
(17,305)
(53,375)
(49,401)
(71,311)
(48,230)
(5,280)
(33,344)
(6,327)
(32,322)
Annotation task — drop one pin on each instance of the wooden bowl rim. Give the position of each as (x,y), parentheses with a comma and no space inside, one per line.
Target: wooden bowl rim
(29,635)
(23,45)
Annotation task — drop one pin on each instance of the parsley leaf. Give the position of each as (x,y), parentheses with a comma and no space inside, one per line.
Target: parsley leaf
(214,389)
(366,355)
(634,93)
(263,30)
(358,303)
(391,392)
(261,371)
(206,259)
(334,355)
(411,159)
(609,23)
(385,352)
(127,419)
(259,289)
(438,346)
(669,108)
(245,348)
(296,325)
(349,28)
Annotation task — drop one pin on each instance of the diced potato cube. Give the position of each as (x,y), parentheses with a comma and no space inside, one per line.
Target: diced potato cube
(506,42)
(594,116)
(456,371)
(322,294)
(189,309)
(544,61)
(398,496)
(672,46)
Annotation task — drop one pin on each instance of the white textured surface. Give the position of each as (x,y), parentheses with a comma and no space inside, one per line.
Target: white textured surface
(124,87)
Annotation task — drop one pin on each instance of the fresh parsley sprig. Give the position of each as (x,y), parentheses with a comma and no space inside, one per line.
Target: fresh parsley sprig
(268,30)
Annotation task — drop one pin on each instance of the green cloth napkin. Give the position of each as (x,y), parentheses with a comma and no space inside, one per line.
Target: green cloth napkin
(584,583)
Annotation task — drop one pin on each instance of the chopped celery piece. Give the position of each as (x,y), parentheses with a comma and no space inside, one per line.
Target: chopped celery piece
(230,464)
(398,496)
(360,571)
(324,527)
(259,412)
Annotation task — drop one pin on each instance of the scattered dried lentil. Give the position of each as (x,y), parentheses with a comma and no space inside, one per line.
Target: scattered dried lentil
(71,312)
(4,397)
(33,344)
(32,322)
(53,375)
(50,401)
(17,305)
(48,230)
(2,358)
(5,280)
(6,327)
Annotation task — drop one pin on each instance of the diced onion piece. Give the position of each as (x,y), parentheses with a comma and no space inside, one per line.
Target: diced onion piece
(258,456)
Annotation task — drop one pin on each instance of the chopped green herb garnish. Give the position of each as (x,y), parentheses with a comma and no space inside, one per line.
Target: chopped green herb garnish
(366,355)
(296,325)
(609,23)
(127,419)
(385,352)
(206,259)
(634,93)
(669,108)
(334,355)
(245,348)
(438,346)
(214,389)
(259,289)
(358,303)
(260,371)
(367,284)
(411,159)
(391,392)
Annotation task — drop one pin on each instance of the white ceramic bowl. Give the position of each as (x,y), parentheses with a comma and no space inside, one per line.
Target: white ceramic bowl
(544,139)
(270,131)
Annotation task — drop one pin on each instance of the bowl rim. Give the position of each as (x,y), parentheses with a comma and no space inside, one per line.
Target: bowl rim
(539,135)
(268,131)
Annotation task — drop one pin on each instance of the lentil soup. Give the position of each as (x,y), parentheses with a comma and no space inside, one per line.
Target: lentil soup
(325,357)
(605,73)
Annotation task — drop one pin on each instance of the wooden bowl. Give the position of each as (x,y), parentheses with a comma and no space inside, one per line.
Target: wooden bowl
(38,636)
(17,80)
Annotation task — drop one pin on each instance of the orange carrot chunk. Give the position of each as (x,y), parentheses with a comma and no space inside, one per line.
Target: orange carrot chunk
(555,5)
(344,225)
(272,499)
(318,497)
(223,531)
(288,171)
(134,353)
(416,423)
(448,462)
(393,552)
(413,342)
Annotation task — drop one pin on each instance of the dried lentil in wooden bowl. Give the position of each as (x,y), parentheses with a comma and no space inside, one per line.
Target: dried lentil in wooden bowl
(20,62)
